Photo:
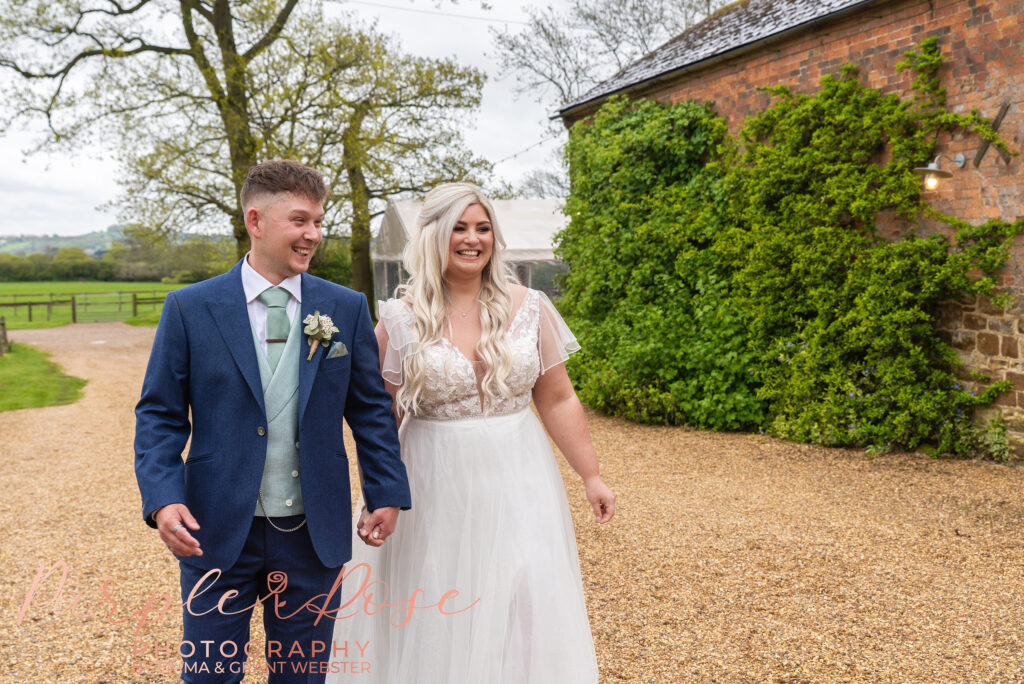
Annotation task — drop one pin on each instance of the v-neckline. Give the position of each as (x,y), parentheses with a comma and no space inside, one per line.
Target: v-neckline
(511,325)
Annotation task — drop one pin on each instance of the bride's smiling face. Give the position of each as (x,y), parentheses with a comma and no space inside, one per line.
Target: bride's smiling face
(471,244)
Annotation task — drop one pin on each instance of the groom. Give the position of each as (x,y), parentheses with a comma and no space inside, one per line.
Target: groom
(261,506)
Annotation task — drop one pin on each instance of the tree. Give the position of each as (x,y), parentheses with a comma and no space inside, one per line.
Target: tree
(382,124)
(130,65)
(193,93)
(146,254)
(559,56)
(544,184)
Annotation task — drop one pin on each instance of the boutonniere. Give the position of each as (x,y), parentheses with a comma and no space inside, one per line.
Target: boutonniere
(318,329)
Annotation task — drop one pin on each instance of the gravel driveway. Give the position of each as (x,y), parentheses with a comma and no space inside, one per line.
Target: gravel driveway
(732,558)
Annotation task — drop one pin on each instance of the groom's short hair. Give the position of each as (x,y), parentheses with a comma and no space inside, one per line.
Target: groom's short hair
(282,176)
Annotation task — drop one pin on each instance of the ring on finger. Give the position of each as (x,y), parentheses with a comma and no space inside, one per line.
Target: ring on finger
(174,530)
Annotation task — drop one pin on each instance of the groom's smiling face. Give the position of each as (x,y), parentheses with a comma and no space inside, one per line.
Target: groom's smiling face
(285,231)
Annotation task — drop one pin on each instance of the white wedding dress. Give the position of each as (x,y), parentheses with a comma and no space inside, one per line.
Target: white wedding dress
(489,519)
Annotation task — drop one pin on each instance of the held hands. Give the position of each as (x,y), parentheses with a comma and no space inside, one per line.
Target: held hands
(601,498)
(174,521)
(374,527)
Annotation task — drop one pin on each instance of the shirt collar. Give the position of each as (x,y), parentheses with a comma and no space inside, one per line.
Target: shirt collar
(254,284)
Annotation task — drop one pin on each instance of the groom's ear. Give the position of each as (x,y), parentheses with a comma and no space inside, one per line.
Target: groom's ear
(252,222)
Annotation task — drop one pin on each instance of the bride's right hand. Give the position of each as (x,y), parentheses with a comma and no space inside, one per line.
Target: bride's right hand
(601,498)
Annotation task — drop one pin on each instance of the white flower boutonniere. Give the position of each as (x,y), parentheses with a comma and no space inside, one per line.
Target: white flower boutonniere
(318,329)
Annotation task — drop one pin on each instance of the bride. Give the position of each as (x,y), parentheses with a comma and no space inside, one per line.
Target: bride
(462,354)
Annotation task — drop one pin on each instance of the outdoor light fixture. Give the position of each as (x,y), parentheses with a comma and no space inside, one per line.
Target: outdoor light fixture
(933,172)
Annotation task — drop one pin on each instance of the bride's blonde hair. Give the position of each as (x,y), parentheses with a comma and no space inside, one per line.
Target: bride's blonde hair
(426,259)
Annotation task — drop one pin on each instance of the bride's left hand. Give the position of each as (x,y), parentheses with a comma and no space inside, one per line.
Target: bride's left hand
(601,498)
(364,516)
(376,526)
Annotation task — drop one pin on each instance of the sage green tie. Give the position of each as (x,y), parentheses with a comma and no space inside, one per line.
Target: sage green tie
(276,299)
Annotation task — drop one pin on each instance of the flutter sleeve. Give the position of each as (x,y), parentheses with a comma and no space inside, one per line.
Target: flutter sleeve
(555,341)
(397,319)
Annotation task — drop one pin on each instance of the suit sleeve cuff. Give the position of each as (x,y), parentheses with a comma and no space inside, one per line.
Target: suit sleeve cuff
(150,518)
(384,499)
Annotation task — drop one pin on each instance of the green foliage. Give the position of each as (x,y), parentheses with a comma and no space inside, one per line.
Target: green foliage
(739,287)
(645,291)
(145,254)
(995,440)
(28,380)
(140,254)
(66,264)
(332,261)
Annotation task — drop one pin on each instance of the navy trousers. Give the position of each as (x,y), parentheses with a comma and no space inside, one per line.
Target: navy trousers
(280,570)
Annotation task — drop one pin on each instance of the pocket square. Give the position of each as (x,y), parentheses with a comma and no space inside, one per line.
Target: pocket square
(337,349)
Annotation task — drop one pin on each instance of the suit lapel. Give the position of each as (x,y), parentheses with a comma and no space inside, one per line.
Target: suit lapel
(232,318)
(312,301)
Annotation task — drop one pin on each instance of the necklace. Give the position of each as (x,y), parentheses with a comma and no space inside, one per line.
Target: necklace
(465,313)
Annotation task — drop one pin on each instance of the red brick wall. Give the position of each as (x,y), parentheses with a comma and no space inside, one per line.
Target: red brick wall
(984,46)
(982,41)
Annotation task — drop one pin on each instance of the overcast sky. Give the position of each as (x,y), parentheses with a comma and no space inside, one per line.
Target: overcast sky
(61,194)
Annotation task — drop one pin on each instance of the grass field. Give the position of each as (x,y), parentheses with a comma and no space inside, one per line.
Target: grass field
(96,301)
(28,380)
(151,318)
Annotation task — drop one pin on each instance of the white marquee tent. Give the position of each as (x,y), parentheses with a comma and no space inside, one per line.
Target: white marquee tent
(529,227)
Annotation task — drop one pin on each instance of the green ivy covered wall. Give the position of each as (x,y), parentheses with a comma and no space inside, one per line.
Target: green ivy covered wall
(743,283)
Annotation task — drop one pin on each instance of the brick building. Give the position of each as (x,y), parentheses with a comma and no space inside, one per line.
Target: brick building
(795,42)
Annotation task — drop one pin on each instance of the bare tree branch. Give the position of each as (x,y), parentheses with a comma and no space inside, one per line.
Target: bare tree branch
(113,53)
(273,33)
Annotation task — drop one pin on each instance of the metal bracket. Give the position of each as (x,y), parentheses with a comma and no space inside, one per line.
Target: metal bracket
(985,143)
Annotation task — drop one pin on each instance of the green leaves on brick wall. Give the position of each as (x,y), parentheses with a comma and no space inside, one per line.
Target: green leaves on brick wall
(743,284)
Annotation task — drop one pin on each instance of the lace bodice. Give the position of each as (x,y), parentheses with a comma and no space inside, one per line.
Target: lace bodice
(537,335)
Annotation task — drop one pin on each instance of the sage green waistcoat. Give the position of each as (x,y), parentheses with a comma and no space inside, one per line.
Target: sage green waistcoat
(280,484)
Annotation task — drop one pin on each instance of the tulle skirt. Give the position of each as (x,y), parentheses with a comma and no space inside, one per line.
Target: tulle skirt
(489,520)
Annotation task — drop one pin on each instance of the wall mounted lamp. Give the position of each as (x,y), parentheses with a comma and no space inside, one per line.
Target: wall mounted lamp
(933,172)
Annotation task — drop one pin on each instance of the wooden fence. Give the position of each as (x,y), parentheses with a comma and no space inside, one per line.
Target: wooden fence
(5,346)
(80,308)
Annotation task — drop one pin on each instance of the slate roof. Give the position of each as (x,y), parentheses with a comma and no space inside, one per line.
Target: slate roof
(731,28)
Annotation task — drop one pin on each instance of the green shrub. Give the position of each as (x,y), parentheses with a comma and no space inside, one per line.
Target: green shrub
(646,288)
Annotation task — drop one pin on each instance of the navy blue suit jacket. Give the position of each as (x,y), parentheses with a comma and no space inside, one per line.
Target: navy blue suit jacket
(203,359)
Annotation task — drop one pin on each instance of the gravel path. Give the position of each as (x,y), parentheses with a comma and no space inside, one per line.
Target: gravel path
(733,558)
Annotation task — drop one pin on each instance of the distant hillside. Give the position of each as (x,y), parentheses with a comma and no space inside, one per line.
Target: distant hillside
(94,243)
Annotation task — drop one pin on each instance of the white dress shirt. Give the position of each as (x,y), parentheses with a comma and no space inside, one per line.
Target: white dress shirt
(254,284)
